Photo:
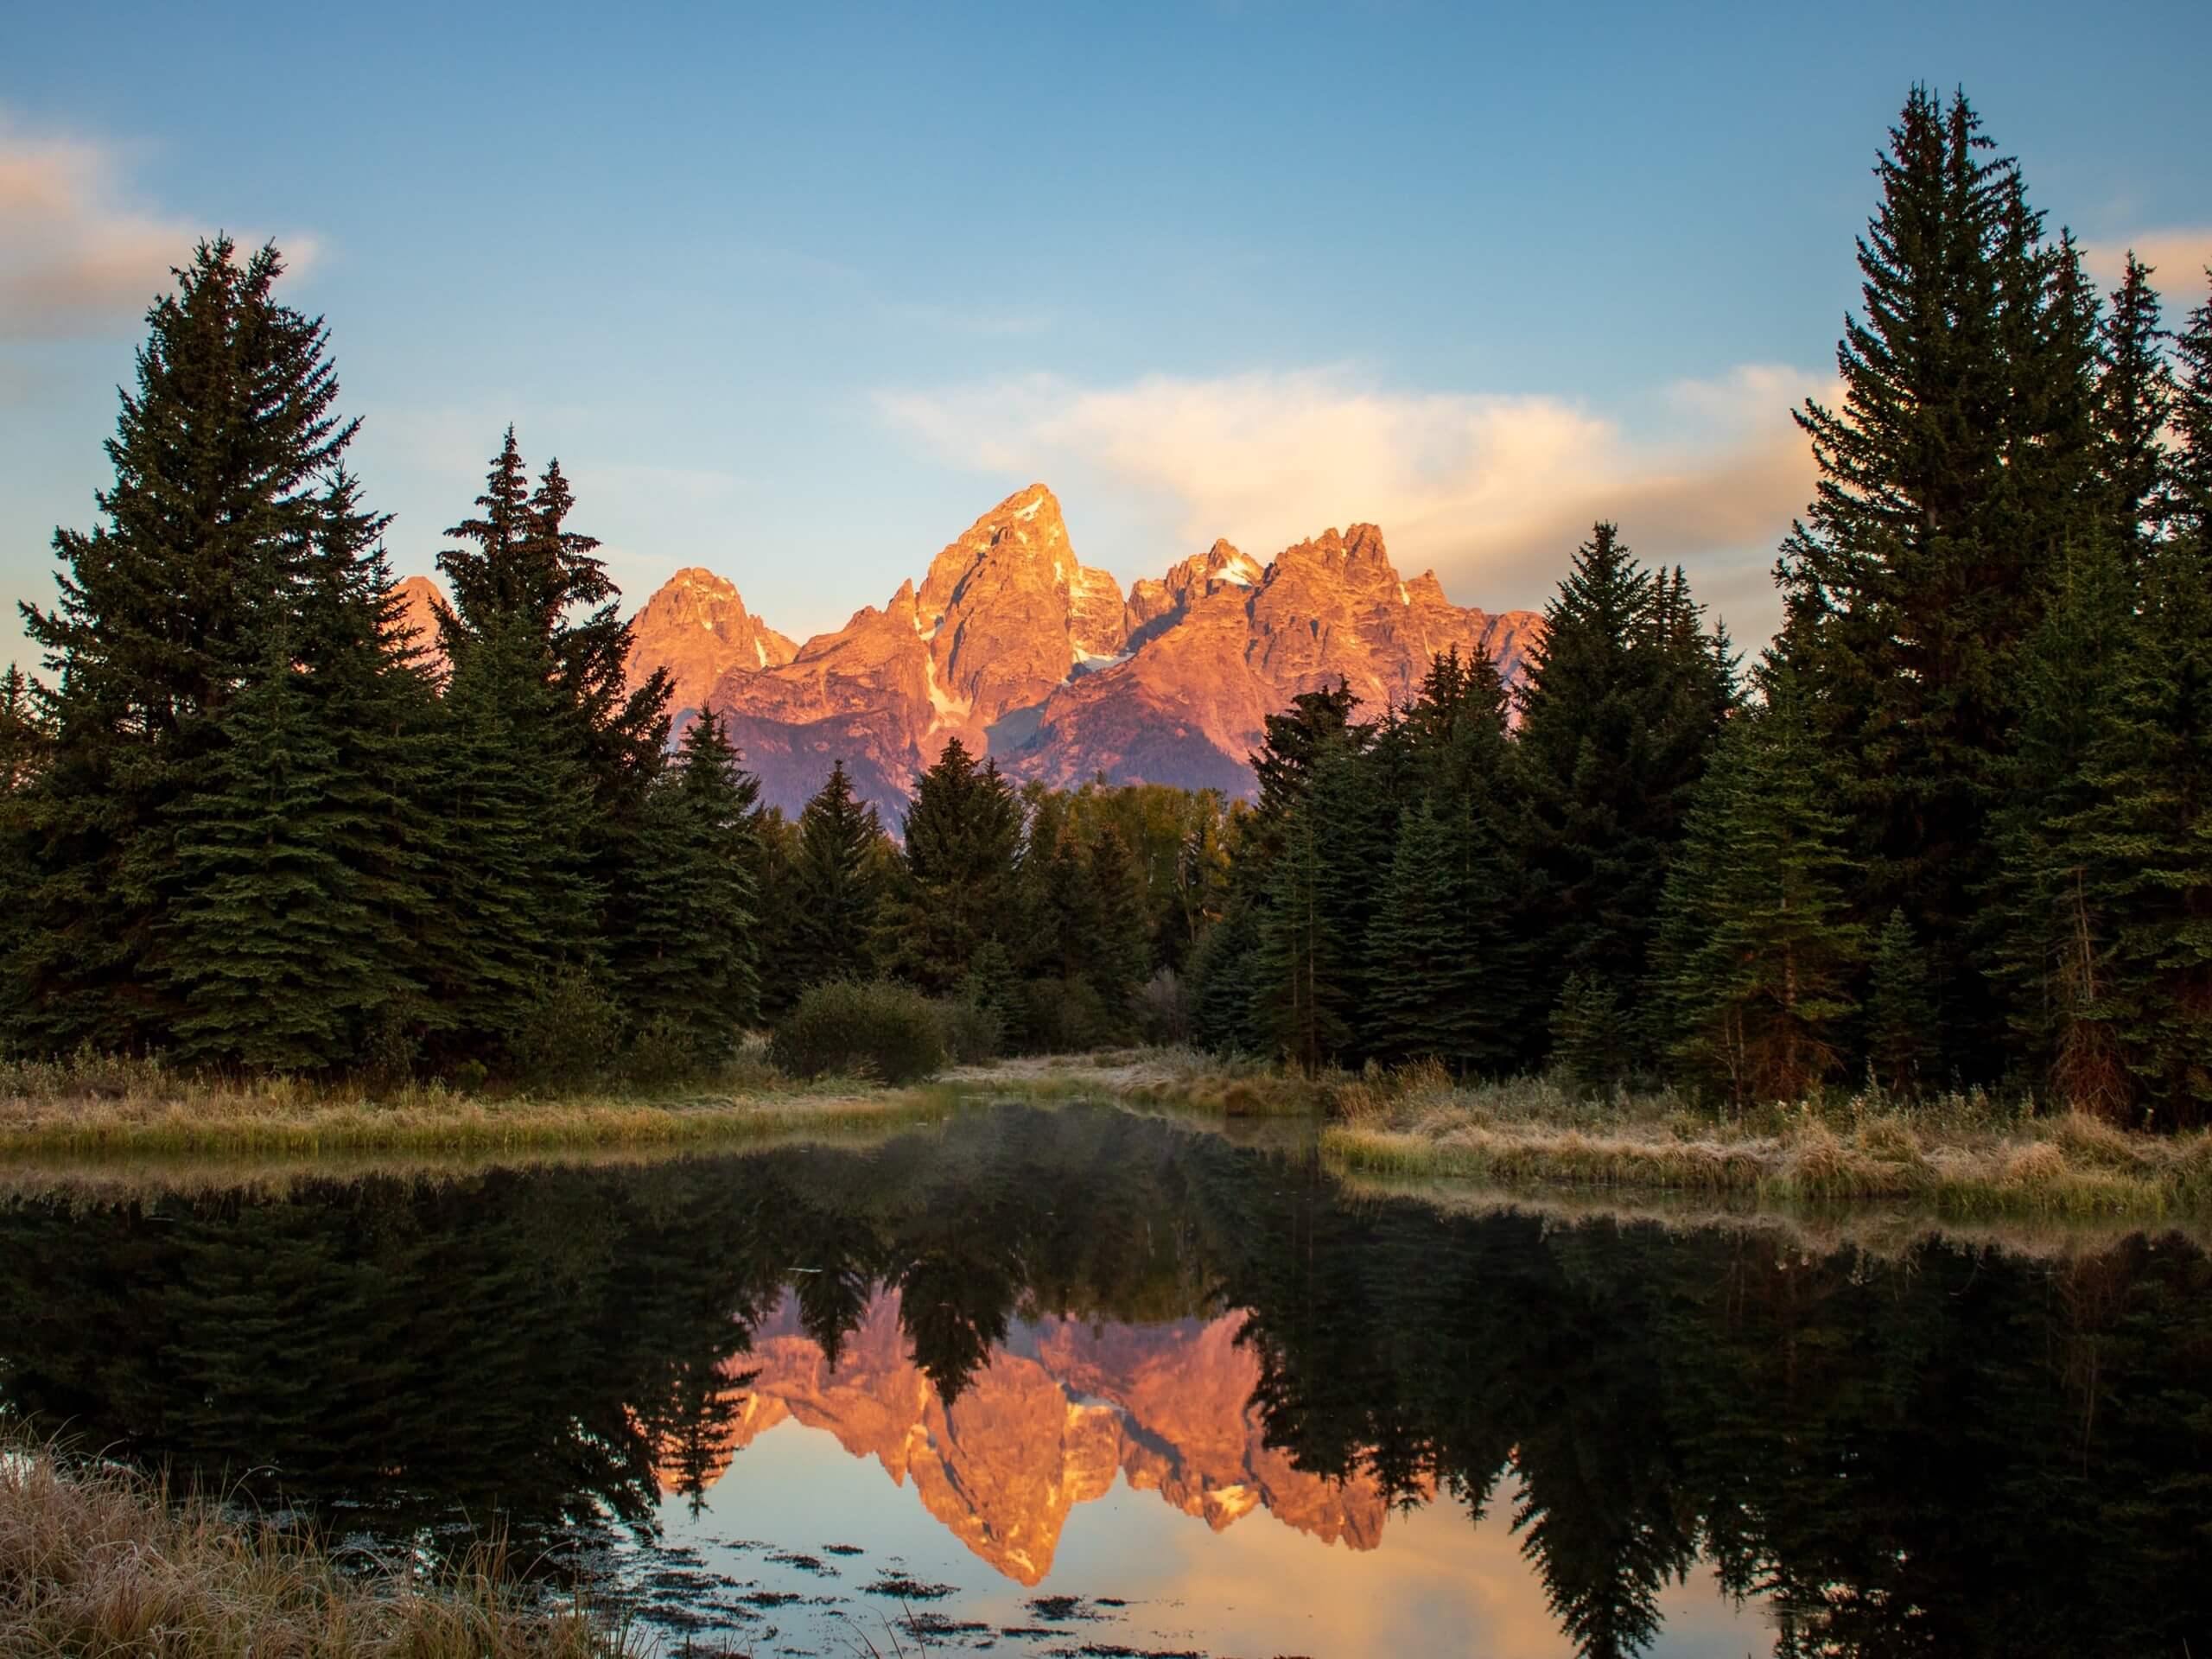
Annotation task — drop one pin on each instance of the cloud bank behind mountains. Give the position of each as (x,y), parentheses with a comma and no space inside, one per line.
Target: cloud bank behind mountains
(1493,491)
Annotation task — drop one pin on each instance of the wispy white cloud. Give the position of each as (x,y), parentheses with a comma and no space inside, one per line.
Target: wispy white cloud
(1493,491)
(78,256)
(2177,256)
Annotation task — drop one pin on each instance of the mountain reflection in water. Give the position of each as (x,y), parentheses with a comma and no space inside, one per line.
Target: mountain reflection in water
(1942,1450)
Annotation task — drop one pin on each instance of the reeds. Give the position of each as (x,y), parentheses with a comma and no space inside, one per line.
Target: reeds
(95,1559)
(105,1106)
(1963,1155)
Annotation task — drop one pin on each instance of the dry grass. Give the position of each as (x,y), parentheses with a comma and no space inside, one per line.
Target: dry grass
(1181,1079)
(97,1107)
(98,1560)
(1962,1156)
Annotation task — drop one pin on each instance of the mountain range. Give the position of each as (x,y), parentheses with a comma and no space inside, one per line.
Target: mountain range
(1015,646)
(1063,1408)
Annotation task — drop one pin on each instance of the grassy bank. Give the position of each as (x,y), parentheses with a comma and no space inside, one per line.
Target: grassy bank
(96,1559)
(1961,1156)
(115,1106)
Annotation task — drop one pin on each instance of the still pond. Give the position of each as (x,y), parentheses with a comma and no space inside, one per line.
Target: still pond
(1080,1382)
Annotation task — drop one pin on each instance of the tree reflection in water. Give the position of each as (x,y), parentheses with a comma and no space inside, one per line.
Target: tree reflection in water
(1950,1450)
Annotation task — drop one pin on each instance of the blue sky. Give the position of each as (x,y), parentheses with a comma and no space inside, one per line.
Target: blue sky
(797,292)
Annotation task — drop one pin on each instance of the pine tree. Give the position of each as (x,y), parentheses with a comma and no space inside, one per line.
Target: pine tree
(2188,487)
(1431,953)
(276,959)
(517,886)
(1123,961)
(689,966)
(1900,1011)
(164,608)
(1951,479)
(1621,704)
(22,746)
(963,837)
(839,885)
(2135,394)
(1757,953)
(992,984)
(2142,845)
(1299,1007)
(2040,940)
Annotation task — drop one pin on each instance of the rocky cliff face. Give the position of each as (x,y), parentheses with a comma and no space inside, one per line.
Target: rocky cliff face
(1012,644)
(697,628)
(1063,1407)
(420,598)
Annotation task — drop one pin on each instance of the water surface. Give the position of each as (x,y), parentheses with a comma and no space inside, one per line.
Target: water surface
(1078,1381)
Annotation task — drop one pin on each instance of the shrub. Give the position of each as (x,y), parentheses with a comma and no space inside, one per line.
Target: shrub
(569,1034)
(972,1030)
(857,1029)
(664,1051)
(1066,1016)
(1163,1010)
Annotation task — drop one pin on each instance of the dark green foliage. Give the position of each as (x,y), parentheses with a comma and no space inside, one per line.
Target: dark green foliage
(1901,1044)
(567,1032)
(166,608)
(1222,968)
(2135,394)
(963,839)
(1757,953)
(1122,962)
(1064,1014)
(273,950)
(840,885)
(1622,703)
(974,1033)
(1963,460)
(516,884)
(1589,1039)
(689,956)
(857,1029)
(2142,844)
(993,986)
(1431,988)
(2188,493)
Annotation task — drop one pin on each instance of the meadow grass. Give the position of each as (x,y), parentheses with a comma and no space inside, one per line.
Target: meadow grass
(99,1559)
(99,1106)
(1961,1155)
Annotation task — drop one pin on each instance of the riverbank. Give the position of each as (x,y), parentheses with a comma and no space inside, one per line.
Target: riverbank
(98,1559)
(131,1108)
(1959,1156)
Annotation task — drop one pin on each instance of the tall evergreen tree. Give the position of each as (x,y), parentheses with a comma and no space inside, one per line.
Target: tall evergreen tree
(840,880)
(220,455)
(690,962)
(2135,394)
(1122,960)
(2142,844)
(517,884)
(304,926)
(2189,491)
(1757,954)
(276,957)
(1432,989)
(1950,479)
(1621,703)
(1308,973)
(963,839)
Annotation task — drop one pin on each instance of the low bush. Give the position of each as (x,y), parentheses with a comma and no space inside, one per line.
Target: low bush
(973,1030)
(892,1034)
(569,1034)
(1066,1016)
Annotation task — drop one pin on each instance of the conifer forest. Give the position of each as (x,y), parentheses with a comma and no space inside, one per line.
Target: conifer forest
(1951,828)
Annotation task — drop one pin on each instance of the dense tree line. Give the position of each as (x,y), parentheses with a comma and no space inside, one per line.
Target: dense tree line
(1954,826)
(252,820)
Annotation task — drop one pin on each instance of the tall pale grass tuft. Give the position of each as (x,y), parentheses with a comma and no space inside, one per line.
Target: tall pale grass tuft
(98,1560)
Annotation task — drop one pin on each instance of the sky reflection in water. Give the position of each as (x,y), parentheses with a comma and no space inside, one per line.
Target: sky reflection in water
(1083,1354)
